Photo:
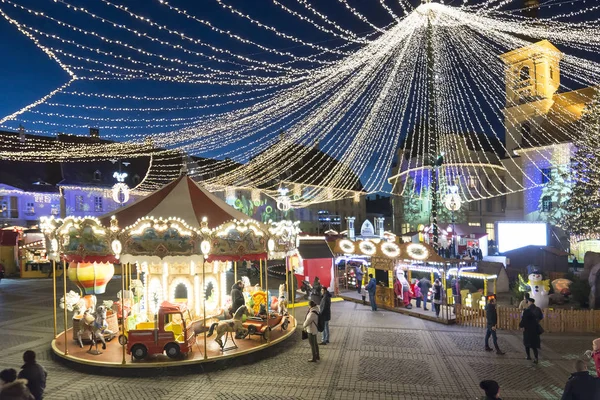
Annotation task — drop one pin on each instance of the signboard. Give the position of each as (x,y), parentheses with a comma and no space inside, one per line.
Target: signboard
(367,229)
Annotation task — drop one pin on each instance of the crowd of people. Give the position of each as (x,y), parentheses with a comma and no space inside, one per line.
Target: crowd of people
(28,384)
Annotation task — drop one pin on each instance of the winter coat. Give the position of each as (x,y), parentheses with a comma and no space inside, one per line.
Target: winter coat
(424,285)
(539,315)
(491,314)
(596,358)
(437,294)
(36,378)
(316,293)
(325,306)
(237,298)
(417,291)
(311,321)
(582,386)
(531,326)
(359,275)
(372,287)
(16,390)
(398,288)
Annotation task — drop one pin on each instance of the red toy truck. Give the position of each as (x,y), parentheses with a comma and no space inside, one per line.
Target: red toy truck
(172,333)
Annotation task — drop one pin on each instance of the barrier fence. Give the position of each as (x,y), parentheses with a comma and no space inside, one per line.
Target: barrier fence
(572,321)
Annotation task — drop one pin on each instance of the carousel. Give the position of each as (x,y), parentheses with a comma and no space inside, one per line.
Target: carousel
(176,249)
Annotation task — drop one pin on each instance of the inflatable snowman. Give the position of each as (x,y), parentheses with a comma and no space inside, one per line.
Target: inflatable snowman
(538,288)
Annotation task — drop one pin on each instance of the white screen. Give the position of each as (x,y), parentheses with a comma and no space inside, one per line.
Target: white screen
(513,235)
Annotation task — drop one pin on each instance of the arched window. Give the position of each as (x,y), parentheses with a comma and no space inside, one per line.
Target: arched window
(181,292)
(524,73)
(97,175)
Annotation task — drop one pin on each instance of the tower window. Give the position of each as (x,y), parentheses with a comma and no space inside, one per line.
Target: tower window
(546,203)
(524,73)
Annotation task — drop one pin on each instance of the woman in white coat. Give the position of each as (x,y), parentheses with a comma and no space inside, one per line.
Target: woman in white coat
(310,326)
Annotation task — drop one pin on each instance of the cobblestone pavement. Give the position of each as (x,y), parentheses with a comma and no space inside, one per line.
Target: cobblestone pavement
(372,355)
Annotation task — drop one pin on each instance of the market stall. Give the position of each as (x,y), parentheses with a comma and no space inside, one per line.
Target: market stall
(176,247)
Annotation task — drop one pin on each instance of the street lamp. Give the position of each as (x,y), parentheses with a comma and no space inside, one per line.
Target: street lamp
(453,202)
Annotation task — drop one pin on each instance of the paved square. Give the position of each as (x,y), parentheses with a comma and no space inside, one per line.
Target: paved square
(372,355)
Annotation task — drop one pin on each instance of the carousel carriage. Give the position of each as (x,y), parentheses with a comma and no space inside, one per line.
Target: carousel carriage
(262,326)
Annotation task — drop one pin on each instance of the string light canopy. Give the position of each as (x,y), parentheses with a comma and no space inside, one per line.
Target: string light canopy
(360,95)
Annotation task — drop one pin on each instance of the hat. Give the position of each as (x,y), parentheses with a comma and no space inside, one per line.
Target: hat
(491,388)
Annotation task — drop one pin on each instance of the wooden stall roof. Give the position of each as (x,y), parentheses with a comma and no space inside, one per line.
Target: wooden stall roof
(390,250)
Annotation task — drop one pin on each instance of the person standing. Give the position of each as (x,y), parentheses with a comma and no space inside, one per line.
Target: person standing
(418,294)
(311,328)
(581,385)
(12,388)
(437,297)
(316,291)
(531,331)
(359,278)
(491,315)
(237,297)
(325,310)
(524,303)
(539,315)
(372,289)
(35,374)
(424,285)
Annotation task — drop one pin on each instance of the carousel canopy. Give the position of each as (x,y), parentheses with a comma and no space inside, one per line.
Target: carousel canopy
(182,198)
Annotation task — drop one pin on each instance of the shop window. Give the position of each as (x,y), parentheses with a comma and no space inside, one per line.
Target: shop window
(98,206)
(405,227)
(489,229)
(78,203)
(546,203)
(30,208)
(546,173)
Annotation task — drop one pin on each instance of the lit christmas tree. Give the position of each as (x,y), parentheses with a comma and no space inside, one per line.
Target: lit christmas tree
(582,218)
(555,194)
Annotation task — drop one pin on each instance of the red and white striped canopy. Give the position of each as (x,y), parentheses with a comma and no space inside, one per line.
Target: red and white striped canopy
(182,198)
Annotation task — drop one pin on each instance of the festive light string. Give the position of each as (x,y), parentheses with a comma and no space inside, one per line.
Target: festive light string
(313,103)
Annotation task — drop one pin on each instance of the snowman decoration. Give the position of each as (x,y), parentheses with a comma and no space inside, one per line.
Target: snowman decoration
(538,288)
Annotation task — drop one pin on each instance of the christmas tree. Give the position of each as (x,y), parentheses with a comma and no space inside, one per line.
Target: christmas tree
(582,216)
(555,194)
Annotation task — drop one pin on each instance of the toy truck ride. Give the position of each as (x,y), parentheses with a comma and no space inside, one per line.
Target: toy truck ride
(171,333)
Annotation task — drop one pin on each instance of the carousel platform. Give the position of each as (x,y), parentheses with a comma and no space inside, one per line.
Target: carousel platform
(112,356)
(446,313)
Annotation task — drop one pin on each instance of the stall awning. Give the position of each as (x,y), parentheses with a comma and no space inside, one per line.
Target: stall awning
(313,249)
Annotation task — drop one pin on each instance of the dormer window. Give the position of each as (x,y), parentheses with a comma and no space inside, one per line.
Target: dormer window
(136,179)
(97,175)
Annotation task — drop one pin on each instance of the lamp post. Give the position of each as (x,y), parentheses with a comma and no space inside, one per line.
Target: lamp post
(453,202)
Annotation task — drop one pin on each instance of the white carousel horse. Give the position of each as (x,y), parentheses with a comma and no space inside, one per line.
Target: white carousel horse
(283,303)
(230,325)
(95,325)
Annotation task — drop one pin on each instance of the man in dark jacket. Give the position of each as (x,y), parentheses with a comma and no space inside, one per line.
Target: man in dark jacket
(492,320)
(325,311)
(237,297)
(372,289)
(535,310)
(581,385)
(35,375)
(424,285)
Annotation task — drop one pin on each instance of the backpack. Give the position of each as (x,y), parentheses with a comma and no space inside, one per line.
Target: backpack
(320,322)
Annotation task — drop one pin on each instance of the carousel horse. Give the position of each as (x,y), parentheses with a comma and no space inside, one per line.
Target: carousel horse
(230,325)
(283,303)
(95,325)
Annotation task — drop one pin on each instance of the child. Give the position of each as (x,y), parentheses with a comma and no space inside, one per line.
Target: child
(595,354)
(418,294)
(363,293)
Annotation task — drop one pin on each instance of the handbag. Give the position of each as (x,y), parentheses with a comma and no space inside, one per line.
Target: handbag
(304,335)
(540,330)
